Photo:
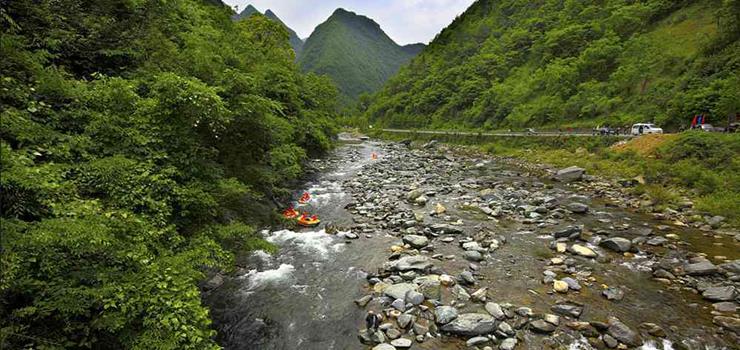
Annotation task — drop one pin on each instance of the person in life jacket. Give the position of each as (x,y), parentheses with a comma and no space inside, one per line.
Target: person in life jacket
(290,213)
(304,198)
(372,321)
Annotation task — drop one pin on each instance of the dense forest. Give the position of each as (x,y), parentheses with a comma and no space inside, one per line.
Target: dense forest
(137,137)
(295,42)
(355,52)
(515,63)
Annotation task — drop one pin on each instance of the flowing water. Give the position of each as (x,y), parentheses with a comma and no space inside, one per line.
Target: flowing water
(302,297)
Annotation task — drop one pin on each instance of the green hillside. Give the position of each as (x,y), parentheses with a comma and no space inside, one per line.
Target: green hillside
(140,143)
(514,63)
(355,52)
(295,42)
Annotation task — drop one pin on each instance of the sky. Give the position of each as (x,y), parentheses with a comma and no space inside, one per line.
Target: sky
(405,21)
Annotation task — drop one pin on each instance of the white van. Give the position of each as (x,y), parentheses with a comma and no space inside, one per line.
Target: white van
(645,128)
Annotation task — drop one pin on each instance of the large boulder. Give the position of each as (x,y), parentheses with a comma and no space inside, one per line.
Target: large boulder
(409,263)
(416,241)
(573,173)
(617,244)
(399,290)
(702,268)
(471,324)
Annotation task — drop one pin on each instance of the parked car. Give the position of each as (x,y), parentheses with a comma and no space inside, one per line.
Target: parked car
(709,128)
(645,128)
(605,130)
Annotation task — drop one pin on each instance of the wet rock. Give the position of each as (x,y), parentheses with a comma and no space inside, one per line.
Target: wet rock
(408,263)
(569,174)
(609,341)
(613,293)
(399,290)
(215,282)
(473,255)
(445,229)
(617,244)
(567,310)
(567,232)
(470,324)
(732,266)
(726,306)
(730,323)
(495,310)
(541,326)
(402,343)
(416,241)
(578,208)
(657,241)
(653,329)
(660,273)
(445,314)
(726,293)
(508,344)
(583,251)
(621,332)
(702,268)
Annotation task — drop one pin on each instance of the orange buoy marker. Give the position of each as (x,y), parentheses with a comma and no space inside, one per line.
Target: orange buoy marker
(374,156)
(304,198)
(308,221)
(290,213)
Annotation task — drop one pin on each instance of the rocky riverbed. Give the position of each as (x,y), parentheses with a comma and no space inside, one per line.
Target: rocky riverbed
(458,250)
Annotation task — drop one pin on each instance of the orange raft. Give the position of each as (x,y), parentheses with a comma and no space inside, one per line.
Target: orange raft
(290,213)
(308,221)
(304,198)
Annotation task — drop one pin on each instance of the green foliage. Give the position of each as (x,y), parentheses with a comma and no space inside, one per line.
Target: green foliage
(355,53)
(517,63)
(138,138)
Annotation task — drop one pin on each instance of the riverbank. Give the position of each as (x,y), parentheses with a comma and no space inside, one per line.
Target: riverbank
(692,173)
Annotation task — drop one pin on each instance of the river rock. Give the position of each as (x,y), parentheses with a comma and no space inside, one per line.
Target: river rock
(445,314)
(415,298)
(439,209)
(470,324)
(421,200)
(572,283)
(613,293)
(408,263)
(578,208)
(215,282)
(362,302)
(583,251)
(479,295)
(384,346)
(617,244)
(727,293)
(541,326)
(473,255)
(569,174)
(567,232)
(508,344)
(402,343)
(732,266)
(495,311)
(446,229)
(466,277)
(730,323)
(413,195)
(399,305)
(702,268)
(405,320)
(399,290)
(370,338)
(475,341)
(567,310)
(416,241)
(621,332)
(725,306)
(560,286)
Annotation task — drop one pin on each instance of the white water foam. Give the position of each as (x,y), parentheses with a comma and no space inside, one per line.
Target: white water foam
(262,255)
(257,279)
(313,242)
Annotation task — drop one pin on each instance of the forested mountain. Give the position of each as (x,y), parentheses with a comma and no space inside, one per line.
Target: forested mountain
(295,42)
(552,62)
(136,140)
(355,52)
